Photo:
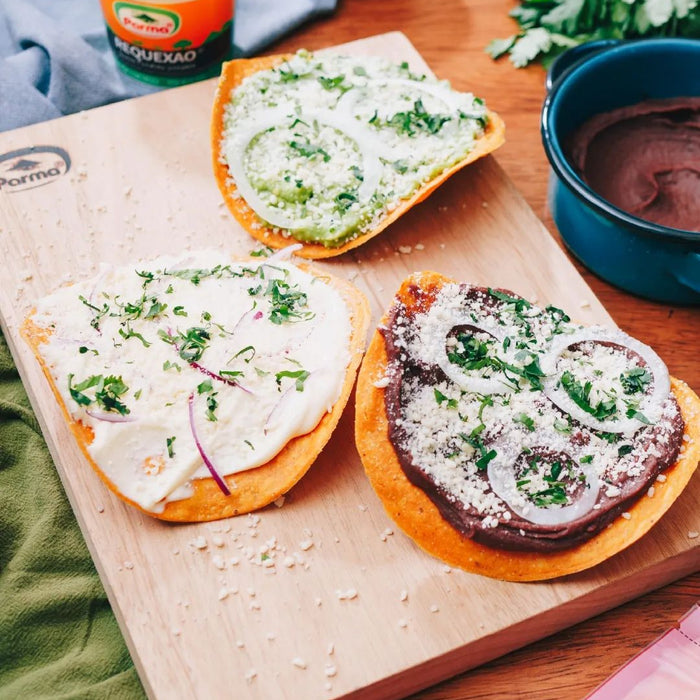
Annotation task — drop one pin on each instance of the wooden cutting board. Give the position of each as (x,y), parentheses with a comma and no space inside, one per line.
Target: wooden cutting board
(322,597)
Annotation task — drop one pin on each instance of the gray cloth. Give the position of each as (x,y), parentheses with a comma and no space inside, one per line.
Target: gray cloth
(55,59)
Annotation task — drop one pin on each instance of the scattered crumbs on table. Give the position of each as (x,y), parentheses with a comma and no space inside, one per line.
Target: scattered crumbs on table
(693,534)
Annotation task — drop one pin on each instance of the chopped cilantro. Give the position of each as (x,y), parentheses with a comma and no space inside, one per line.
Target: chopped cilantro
(519,303)
(562,426)
(212,405)
(345,200)
(287,75)
(127,332)
(98,312)
(441,398)
(190,345)
(285,302)
(333,83)
(525,420)
(309,150)
(417,119)
(580,395)
(247,350)
(230,374)
(205,387)
(169,442)
(300,375)
(107,392)
(473,439)
(635,380)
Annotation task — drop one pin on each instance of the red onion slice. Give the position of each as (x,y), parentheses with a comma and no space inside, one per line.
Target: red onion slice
(218,377)
(212,470)
(651,404)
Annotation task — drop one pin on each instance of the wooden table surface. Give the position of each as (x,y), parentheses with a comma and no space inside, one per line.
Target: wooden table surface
(451,36)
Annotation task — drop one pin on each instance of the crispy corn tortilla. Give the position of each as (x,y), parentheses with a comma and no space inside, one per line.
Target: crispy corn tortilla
(232,74)
(255,488)
(419,518)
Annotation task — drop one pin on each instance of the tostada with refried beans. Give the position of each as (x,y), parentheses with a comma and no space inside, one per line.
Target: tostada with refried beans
(510,441)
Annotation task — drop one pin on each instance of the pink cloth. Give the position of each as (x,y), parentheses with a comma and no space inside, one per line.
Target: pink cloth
(667,668)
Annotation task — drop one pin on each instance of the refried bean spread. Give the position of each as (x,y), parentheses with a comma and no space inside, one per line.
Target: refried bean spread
(645,159)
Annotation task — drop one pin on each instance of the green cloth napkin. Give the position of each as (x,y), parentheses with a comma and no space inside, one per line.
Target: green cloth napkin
(58,636)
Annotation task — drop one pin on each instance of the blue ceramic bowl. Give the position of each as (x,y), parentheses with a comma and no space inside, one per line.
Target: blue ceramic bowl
(653,261)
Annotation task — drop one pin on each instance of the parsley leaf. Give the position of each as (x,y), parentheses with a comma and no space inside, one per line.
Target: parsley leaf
(441,398)
(107,392)
(580,395)
(548,27)
(309,150)
(635,380)
(300,375)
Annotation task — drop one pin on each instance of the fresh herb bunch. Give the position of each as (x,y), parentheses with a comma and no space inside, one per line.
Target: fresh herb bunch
(549,27)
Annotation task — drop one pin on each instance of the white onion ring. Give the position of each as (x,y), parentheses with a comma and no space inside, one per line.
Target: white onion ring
(502,480)
(281,254)
(363,138)
(650,405)
(479,385)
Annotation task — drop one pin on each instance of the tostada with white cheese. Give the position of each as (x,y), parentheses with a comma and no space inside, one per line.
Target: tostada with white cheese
(510,441)
(200,387)
(328,150)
